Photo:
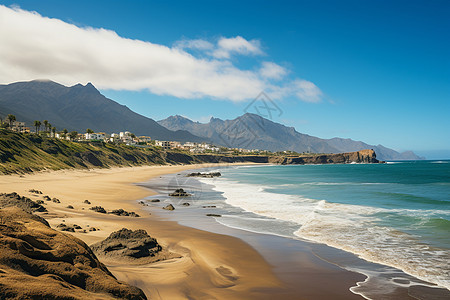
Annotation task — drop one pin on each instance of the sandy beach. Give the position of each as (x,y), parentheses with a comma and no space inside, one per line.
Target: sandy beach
(210,265)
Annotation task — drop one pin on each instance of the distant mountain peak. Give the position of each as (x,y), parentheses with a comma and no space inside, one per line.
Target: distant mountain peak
(253,131)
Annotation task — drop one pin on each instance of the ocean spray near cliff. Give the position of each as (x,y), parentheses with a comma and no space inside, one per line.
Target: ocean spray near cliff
(394,214)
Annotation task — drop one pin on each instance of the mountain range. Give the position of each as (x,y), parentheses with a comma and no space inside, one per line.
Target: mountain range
(82,106)
(77,108)
(252,131)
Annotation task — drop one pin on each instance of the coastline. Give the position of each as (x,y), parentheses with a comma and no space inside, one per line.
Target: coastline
(212,265)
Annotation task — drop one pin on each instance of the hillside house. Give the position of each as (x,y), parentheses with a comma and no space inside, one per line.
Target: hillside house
(19,127)
(100,136)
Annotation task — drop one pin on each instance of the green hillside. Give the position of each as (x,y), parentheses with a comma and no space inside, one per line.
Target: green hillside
(23,153)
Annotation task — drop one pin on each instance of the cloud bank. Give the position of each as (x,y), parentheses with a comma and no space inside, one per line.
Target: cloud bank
(33,46)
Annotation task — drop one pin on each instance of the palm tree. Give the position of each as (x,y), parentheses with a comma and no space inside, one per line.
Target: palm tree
(46,125)
(89,130)
(37,124)
(49,129)
(54,131)
(11,118)
(65,131)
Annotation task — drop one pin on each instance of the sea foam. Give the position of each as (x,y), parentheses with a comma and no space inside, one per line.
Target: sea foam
(353,228)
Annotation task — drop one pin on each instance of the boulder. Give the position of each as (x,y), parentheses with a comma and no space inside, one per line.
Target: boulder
(98,209)
(169,207)
(131,246)
(121,212)
(33,191)
(179,193)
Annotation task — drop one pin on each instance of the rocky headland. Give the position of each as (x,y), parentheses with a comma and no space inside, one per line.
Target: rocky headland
(363,156)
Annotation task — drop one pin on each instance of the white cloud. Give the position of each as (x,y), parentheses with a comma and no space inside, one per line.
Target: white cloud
(307,91)
(198,44)
(237,45)
(33,46)
(271,70)
(302,89)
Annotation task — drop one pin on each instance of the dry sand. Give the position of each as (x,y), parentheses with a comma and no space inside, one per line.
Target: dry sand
(212,266)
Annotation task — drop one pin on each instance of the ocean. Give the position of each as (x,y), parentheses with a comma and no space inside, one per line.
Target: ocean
(395,214)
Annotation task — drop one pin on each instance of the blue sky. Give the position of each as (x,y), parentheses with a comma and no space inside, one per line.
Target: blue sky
(376,71)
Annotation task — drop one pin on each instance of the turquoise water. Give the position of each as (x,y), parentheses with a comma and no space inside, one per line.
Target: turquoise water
(396,214)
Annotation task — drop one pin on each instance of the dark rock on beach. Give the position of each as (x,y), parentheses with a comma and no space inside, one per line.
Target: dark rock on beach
(155,200)
(33,191)
(205,175)
(179,193)
(128,243)
(132,246)
(121,212)
(169,207)
(98,209)
(65,227)
(213,215)
(87,202)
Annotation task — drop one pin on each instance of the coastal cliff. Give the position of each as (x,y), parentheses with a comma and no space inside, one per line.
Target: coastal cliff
(362,156)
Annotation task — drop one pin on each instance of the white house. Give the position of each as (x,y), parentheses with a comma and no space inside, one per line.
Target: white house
(100,136)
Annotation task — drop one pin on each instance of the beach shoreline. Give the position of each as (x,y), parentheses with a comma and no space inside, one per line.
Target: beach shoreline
(212,265)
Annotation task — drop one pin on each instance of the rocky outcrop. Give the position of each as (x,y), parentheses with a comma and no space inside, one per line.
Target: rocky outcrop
(37,262)
(204,175)
(179,193)
(363,156)
(98,209)
(123,213)
(133,246)
(169,207)
(25,203)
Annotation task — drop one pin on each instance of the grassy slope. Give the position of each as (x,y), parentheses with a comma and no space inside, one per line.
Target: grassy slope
(21,153)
